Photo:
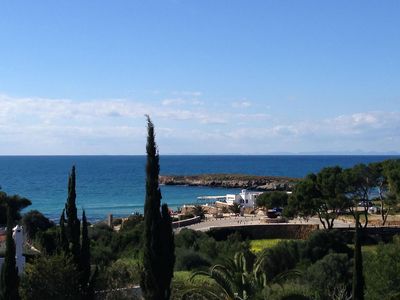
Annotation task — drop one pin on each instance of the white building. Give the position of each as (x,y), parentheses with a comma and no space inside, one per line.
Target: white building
(18,235)
(245,198)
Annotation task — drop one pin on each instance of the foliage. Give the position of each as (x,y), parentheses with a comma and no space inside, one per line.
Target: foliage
(73,223)
(321,194)
(258,245)
(233,278)
(360,181)
(388,183)
(188,260)
(185,289)
(382,270)
(132,221)
(358,276)
(119,274)
(48,241)
(234,208)
(199,211)
(84,263)
(50,278)
(63,239)
(34,221)
(158,251)
(329,275)
(272,199)
(15,202)
(323,242)
(280,258)
(9,280)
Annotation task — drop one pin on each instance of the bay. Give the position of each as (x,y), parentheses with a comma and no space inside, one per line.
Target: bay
(116,184)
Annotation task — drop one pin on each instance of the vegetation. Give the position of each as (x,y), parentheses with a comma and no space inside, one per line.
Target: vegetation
(34,222)
(73,224)
(16,203)
(9,279)
(158,251)
(272,199)
(334,191)
(258,245)
(51,277)
(358,276)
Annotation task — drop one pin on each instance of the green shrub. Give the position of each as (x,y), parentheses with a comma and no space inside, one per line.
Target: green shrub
(330,275)
(322,242)
(190,260)
(34,221)
(381,271)
(49,278)
(280,258)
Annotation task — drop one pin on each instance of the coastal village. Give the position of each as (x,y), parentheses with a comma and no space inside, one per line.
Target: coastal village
(200,150)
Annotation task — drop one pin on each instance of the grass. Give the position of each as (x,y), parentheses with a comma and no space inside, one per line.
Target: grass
(258,245)
(366,248)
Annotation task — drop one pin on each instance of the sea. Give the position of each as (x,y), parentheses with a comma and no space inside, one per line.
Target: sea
(116,184)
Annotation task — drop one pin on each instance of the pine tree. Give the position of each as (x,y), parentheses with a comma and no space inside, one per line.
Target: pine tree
(73,224)
(358,278)
(85,256)
(9,280)
(158,249)
(63,235)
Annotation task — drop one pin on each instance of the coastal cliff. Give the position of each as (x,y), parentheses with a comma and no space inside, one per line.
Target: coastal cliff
(261,183)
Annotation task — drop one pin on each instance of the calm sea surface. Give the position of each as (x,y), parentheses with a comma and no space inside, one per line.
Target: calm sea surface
(115,184)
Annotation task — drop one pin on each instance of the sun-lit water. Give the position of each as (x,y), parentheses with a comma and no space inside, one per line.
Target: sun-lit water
(115,184)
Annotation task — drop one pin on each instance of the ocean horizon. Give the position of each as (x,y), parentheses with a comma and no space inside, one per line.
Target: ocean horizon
(116,183)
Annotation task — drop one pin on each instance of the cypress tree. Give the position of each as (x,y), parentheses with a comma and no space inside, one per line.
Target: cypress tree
(73,224)
(63,235)
(358,278)
(158,238)
(168,247)
(9,280)
(85,256)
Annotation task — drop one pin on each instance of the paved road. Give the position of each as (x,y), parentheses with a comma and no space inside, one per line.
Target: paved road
(252,220)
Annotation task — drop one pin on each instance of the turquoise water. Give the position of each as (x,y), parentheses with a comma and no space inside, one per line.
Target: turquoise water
(115,184)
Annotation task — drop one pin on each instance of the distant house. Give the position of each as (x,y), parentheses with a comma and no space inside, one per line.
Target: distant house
(18,235)
(245,198)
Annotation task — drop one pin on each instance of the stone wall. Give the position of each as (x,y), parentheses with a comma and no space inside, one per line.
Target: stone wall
(266,231)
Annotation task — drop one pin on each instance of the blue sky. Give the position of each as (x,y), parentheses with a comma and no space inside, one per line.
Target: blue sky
(251,77)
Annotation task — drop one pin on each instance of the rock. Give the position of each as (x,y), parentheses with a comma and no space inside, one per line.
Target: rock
(262,183)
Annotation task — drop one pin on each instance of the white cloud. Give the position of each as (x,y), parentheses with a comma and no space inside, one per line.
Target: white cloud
(63,126)
(241,104)
(188,93)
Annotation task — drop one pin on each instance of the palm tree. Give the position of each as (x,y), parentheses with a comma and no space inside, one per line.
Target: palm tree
(237,280)
(199,211)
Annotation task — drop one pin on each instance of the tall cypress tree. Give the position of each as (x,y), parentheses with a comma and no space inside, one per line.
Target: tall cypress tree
(158,241)
(73,224)
(63,235)
(85,256)
(9,280)
(358,278)
(168,248)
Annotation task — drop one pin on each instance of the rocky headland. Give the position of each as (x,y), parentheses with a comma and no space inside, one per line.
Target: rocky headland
(253,182)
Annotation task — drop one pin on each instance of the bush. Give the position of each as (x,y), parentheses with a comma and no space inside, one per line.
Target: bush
(330,275)
(121,273)
(47,241)
(34,221)
(190,260)
(132,221)
(281,258)
(49,278)
(322,242)
(381,271)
